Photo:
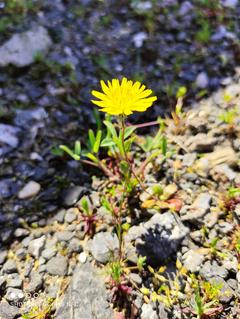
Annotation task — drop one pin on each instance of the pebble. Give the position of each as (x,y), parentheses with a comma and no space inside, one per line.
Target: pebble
(14,281)
(193,260)
(9,267)
(75,246)
(72,195)
(57,266)
(36,282)
(71,215)
(103,246)
(31,189)
(21,232)
(14,295)
(48,253)
(202,80)
(36,246)
(64,235)
(210,270)
(147,312)
(59,217)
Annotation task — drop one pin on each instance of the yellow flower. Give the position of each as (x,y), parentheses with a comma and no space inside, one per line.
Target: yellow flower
(123,98)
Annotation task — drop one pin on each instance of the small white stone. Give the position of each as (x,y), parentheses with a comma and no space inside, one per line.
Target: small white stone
(202,80)
(139,38)
(31,189)
(82,257)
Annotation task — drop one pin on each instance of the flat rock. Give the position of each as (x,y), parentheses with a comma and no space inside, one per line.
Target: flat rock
(148,312)
(31,189)
(86,297)
(103,246)
(158,238)
(201,143)
(57,266)
(10,266)
(223,155)
(9,135)
(7,311)
(211,270)
(193,260)
(36,246)
(20,49)
(72,195)
(198,209)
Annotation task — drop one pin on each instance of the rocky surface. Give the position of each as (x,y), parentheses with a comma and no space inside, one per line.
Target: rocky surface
(55,53)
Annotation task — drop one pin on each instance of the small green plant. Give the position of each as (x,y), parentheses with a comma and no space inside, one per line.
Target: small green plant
(88,216)
(229,116)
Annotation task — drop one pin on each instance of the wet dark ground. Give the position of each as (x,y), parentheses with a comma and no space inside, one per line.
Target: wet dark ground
(165,44)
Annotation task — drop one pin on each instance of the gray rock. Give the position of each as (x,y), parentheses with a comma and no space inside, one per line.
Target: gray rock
(226,291)
(72,195)
(229,3)
(36,246)
(86,297)
(21,253)
(75,246)
(185,8)
(36,282)
(211,270)
(9,135)
(30,117)
(159,238)
(14,281)
(198,209)
(31,189)
(59,217)
(7,311)
(57,266)
(223,173)
(148,312)
(10,266)
(136,278)
(70,215)
(64,235)
(193,260)
(231,264)
(48,253)
(202,80)
(188,159)
(139,38)
(14,295)
(21,232)
(3,256)
(201,143)
(103,246)
(21,49)
(225,227)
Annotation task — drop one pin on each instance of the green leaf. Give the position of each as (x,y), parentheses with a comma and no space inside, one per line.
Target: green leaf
(111,128)
(97,142)
(77,148)
(69,152)
(128,131)
(107,142)
(91,138)
(164,145)
(84,204)
(128,143)
(92,157)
